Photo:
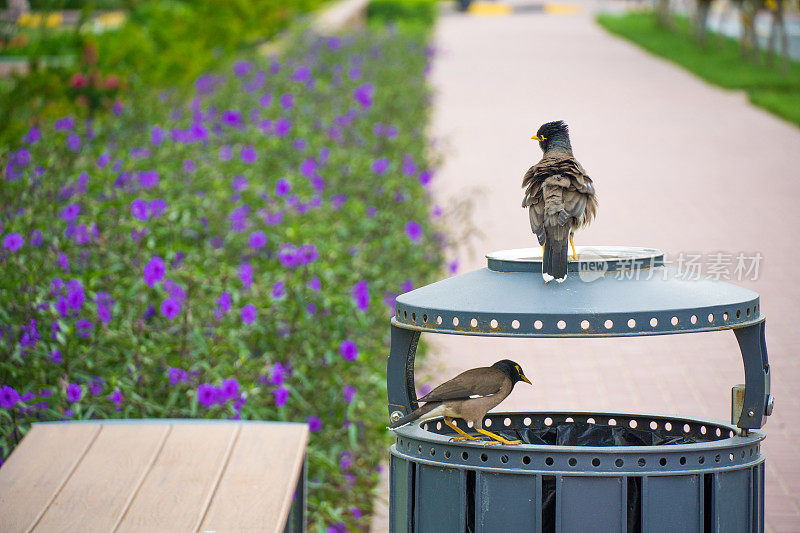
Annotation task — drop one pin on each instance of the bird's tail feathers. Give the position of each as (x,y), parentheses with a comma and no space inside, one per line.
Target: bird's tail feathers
(556,252)
(410,417)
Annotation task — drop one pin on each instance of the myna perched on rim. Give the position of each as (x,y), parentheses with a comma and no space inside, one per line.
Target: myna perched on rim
(469,396)
(560,198)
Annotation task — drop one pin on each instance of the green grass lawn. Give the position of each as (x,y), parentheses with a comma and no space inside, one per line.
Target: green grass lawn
(719,62)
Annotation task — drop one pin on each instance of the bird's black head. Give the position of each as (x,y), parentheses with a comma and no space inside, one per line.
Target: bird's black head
(512,370)
(553,134)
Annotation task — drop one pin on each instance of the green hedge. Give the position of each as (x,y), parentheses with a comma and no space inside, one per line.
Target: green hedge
(155,264)
(403,11)
(719,62)
(161,44)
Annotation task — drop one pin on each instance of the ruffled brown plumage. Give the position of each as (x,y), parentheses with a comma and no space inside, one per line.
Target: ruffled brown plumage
(560,198)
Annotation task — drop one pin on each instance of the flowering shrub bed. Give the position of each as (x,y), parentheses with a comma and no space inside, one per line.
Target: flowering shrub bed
(235,255)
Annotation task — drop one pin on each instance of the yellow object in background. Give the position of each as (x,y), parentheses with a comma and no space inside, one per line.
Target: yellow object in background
(562,9)
(490,9)
(111,20)
(53,20)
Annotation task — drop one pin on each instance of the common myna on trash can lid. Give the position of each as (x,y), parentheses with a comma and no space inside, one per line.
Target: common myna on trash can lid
(469,396)
(560,198)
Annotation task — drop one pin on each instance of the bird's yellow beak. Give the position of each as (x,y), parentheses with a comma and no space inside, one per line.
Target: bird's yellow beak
(540,139)
(525,379)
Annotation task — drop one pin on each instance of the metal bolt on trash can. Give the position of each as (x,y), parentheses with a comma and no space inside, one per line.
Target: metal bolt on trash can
(571,474)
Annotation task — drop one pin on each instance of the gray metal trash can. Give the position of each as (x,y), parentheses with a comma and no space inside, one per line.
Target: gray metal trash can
(669,474)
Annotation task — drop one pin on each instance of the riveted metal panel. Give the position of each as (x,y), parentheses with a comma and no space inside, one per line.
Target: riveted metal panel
(591,503)
(506,499)
(440,504)
(674,504)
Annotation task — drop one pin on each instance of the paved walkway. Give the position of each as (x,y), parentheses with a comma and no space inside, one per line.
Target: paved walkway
(678,164)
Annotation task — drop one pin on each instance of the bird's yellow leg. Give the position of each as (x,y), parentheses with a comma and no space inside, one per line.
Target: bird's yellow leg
(498,438)
(464,436)
(571,243)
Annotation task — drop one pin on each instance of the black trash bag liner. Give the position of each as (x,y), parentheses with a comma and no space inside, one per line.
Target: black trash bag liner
(585,434)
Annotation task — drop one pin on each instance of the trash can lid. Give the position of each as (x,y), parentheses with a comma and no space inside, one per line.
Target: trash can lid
(609,291)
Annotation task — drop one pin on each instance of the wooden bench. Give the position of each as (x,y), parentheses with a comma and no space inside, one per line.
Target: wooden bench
(156,475)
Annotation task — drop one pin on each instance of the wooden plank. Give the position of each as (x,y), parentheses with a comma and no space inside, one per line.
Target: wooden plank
(177,488)
(256,489)
(38,468)
(99,490)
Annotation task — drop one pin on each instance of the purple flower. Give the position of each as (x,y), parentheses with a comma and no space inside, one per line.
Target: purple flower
(206,395)
(230,389)
(380,166)
(238,218)
(13,242)
(249,313)
(311,309)
(265,100)
(62,307)
(286,101)
(239,183)
(170,308)
(425,177)
(148,179)
(36,238)
(452,267)
(74,392)
(116,398)
(189,166)
(282,127)
(282,187)
(33,136)
(308,167)
(96,386)
(372,211)
(363,95)
(246,274)
(302,74)
(63,262)
(75,295)
(177,375)
(277,374)
(154,271)
(409,166)
(156,135)
(314,284)
(242,68)
(224,302)
(84,328)
(70,212)
(360,293)
(8,397)
(225,153)
(257,240)
(248,154)
(349,350)
(103,160)
(74,141)
(413,231)
(139,210)
(281,395)
(278,290)
(314,423)
(104,304)
(175,290)
(55,357)
(64,124)
(232,118)
(348,393)
(157,207)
